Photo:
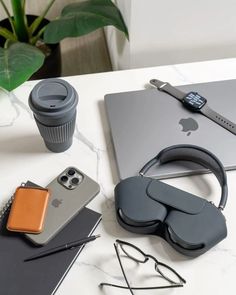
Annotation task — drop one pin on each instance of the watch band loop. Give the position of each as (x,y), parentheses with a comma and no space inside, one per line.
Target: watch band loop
(168,88)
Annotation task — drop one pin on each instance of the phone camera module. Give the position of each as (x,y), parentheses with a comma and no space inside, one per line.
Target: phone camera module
(75,181)
(71,172)
(70,178)
(64,178)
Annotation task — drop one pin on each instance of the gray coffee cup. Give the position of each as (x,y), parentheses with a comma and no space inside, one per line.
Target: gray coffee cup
(53,102)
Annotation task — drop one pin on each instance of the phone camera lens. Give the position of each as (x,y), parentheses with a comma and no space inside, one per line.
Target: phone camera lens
(71,172)
(64,178)
(75,181)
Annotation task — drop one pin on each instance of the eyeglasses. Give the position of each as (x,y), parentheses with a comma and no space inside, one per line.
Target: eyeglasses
(133,252)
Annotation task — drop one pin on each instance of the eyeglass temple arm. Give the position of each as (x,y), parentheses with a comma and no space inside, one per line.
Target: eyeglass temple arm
(122,269)
(141,288)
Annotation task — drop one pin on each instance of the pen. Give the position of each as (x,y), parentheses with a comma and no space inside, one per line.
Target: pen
(63,247)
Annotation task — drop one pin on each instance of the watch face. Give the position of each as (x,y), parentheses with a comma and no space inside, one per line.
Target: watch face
(194,101)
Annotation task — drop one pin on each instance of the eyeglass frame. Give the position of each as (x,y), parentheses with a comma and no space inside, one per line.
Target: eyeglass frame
(147,257)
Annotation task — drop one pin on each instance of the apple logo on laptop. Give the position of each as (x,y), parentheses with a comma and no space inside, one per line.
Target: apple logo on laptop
(56,202)
(188,125)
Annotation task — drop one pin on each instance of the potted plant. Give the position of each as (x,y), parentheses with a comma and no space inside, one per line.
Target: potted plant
(26,42)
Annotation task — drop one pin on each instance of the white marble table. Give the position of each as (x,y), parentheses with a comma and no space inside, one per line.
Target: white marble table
(23,156)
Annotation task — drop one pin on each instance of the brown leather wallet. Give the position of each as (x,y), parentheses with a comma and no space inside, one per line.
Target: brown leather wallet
(28,210)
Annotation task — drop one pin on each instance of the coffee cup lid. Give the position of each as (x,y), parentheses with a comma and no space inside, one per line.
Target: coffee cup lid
(52,96)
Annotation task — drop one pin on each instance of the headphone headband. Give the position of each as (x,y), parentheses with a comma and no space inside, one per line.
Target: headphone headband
(194,154)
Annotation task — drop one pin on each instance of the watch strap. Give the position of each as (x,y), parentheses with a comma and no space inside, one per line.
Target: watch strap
(205,110)
(168,88)
(219,119)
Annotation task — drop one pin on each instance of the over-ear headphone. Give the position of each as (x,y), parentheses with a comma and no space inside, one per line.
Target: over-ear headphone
(190,224)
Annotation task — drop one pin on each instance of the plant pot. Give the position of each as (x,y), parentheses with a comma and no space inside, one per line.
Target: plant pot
(52,63)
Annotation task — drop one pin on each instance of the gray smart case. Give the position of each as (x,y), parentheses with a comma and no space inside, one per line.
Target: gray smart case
(190,224)
(147,206)
(65,203)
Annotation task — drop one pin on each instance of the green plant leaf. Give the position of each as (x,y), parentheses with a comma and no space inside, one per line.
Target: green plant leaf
(7,34)
(18,63)
(79,19)
(19,20)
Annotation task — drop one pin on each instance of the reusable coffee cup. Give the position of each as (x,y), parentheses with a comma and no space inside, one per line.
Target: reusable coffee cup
(53,102)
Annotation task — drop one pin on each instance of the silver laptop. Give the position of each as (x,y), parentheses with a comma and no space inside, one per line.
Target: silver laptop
(144,122)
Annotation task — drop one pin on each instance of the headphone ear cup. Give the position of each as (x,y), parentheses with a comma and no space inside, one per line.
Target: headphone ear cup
(149,227)
(194,234)
(134,209)
(180,243)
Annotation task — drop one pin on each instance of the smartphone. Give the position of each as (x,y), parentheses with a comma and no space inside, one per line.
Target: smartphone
(70,192)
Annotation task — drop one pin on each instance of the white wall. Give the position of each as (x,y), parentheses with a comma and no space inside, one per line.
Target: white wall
(173,31)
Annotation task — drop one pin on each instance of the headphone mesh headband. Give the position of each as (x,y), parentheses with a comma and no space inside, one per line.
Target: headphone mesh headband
(194,154)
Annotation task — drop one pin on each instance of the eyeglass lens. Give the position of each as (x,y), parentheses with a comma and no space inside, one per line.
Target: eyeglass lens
(168,273)
(133,253)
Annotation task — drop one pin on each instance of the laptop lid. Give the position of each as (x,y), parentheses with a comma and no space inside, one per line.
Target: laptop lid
(144,122)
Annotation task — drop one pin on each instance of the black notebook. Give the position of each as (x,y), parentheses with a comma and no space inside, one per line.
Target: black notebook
(44,275)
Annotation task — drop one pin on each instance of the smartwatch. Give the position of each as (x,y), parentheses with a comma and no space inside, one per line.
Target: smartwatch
(195,103)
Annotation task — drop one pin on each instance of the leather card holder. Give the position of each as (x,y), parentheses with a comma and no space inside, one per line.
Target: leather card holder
(28,210)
